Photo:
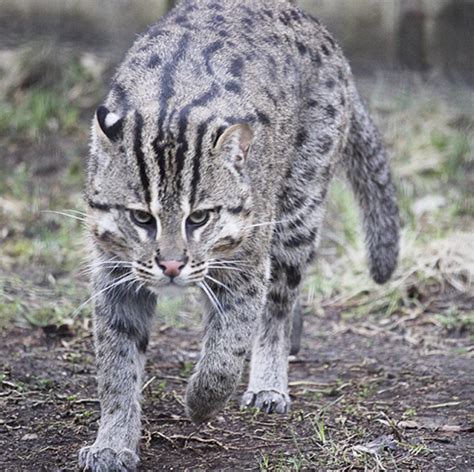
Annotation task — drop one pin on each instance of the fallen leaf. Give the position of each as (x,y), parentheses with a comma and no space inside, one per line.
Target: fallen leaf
(443,405)
(377,445)
(452,428)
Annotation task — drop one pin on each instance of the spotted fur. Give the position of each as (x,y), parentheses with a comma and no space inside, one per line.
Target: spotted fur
(241,108)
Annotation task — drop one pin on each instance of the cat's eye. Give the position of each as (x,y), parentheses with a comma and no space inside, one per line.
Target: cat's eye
(198,218)
(141,218)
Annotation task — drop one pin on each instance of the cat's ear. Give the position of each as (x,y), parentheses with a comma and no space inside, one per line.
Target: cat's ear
(235,142)
(109,124)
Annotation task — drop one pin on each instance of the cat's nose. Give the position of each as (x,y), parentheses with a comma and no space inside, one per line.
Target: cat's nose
(171,268)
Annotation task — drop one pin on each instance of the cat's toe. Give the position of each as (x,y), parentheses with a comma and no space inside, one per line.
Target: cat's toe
(96,459)
(268,401)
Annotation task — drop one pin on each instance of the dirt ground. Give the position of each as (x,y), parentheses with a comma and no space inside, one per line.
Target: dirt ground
(367,394)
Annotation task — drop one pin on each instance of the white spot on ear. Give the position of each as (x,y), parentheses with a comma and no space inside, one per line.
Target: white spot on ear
(111,119)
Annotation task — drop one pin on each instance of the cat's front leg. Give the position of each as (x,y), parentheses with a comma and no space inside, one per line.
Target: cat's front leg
(229,328)
(121,325)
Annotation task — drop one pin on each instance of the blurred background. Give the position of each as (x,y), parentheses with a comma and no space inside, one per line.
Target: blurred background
(421,35)
(413,61)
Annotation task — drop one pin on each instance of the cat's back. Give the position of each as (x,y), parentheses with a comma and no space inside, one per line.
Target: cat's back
(232,51)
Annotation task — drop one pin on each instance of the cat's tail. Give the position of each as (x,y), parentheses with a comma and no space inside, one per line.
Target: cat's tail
(368,170)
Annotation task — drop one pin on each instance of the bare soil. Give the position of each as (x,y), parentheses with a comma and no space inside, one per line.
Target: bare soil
(379,394)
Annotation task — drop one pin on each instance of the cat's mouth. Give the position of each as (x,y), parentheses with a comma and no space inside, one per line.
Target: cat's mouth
(159,282)
(201,273)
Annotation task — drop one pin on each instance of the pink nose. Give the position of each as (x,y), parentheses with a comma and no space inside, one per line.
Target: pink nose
(171,268)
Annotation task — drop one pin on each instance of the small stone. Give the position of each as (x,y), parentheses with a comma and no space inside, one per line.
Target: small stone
(29,437)
(428,204)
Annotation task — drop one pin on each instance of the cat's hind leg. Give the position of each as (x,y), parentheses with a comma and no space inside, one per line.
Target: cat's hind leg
(296,329)
(268,383)
(279,332)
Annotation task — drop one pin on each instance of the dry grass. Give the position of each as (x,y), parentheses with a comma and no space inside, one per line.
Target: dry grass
(429,131)
(434,265)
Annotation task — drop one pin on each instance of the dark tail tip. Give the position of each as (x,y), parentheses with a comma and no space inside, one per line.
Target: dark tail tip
(383,261)
(381,276)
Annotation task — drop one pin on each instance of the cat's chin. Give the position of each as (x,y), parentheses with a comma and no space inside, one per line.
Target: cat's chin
(169,290)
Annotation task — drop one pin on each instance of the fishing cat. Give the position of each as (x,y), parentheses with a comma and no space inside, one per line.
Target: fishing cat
(210,164)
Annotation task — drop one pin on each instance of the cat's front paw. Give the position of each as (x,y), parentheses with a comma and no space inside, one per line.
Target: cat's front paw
(104,459)
(207,394)
(268,401)
(201,404)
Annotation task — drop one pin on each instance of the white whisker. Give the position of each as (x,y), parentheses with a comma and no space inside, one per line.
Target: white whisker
(212,297)
(109,266)
(222,261)
(131,282)
(73,217)
(220,284)
(223,267)
(194,280)
(140,286)
(111,263)
(124,279)
(72,210)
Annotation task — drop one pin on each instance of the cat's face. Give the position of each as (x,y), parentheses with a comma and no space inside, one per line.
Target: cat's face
(168,211)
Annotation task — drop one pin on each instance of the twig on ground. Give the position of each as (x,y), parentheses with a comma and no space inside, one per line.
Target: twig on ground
(147,383)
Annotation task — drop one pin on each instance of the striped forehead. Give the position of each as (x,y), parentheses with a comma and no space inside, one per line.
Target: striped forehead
(170,163)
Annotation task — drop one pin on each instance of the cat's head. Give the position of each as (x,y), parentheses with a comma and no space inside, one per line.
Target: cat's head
(169,206)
